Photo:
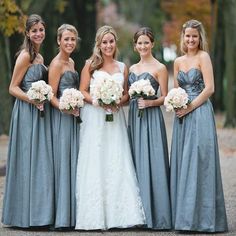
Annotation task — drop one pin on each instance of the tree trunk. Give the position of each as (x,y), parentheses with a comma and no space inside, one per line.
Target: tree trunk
(85,18)
(5,98)
(230,59)
(218,58)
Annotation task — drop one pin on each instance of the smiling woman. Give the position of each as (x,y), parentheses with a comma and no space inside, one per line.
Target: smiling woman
(29,180)
(107,194)
(197,197)
(147,132)
(62,76)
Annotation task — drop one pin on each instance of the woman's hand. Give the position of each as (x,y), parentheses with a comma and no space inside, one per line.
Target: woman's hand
(111,108)
(182,112)
(142,103)
(40,106)
(74,112)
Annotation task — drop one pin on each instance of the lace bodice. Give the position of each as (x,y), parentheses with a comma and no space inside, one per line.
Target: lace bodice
(192,81)
(117,76)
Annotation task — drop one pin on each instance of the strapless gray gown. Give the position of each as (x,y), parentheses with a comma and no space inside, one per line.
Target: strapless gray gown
(65,150)
(150,155)
(196,188)
(29,189)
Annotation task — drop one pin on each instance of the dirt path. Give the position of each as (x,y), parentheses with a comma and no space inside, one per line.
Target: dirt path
(227,146)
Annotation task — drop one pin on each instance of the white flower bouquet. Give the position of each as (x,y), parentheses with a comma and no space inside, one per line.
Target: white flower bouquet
(71,99)
(40,92)
(176,98)
(105,91)
(141,89)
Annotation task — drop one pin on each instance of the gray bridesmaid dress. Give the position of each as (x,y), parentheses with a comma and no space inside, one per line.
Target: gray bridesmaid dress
(196,188)
(29,188)
(65,151)
(150,155)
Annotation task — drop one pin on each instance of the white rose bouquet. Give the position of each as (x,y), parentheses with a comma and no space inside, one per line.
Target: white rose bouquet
(71,99)
(106,91)
(176,98)
(141,89)
(40,92)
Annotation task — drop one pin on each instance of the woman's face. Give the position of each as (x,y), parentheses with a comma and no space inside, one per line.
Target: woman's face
(191,38)
(108,45)
(67,42)
(144,45)
(37,33)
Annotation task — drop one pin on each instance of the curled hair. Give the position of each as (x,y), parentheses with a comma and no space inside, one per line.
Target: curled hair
(202,35)
(27,44)
(68,27)
(96,58)
(144,31)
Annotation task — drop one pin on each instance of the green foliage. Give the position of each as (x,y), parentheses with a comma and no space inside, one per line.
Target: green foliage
(60,5)
(11,18)
(132,15)
(230,58)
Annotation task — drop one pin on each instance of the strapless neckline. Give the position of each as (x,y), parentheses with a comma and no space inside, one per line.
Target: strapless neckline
(189,70)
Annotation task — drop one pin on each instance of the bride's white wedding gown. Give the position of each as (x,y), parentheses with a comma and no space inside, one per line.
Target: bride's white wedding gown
(107,192)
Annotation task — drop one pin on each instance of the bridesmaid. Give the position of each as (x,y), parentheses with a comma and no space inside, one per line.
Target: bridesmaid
(196,187)
(28,199)
(148,134)
(62,75)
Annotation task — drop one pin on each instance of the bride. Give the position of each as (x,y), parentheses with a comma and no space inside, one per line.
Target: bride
(107,194)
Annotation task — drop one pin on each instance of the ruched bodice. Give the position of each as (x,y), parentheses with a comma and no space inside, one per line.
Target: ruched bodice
(192,81)
(34,73)
(69,79)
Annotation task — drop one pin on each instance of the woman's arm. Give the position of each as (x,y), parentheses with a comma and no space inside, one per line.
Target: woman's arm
(208,77)
(21,66)
(125,96)
(85,82)
(54,74)
(176,71)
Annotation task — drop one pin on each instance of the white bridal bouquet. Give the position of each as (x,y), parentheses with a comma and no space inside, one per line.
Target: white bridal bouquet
(106,91)
(71,99)
(141,89)
(40,92)
(175,99)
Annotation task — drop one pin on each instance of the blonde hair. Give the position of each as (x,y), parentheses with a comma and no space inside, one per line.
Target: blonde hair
(195,24)
(96,58)
(68,27)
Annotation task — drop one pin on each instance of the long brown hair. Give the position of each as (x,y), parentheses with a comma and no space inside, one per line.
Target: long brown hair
(144,31)
(27,44)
